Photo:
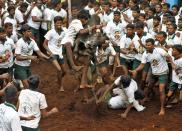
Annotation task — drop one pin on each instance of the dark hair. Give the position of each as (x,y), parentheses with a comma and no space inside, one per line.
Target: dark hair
(125,81)
(139,25)
(117,12)
(158,18)
(142,14)
(172,19)
(33,82)
(178,48)
(130,26)
(174,26)
(139,94)
(166,4)
(25,27)
(58,18)
(10,8)
(163,33)
(10,93)
(152,9)
(150,40)
(24,5)
(136,8)
(6,25)
(176,6)
(83,14)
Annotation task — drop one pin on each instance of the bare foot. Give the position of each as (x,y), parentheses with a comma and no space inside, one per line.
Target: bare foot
(77,68)
(61,89)
(123,115)
(162,112)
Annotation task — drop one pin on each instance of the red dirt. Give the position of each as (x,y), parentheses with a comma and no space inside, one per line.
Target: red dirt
(75,115)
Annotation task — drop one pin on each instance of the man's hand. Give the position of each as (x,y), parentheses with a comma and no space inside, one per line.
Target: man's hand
(133,72)
(30,118)
(33,58)
(4,76)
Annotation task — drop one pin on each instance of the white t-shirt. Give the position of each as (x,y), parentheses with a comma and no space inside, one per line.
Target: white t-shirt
(9,118)
(12,21)
(30,103)
(140,48)
(157,60)
(25,49)
(173,40)
(47,13)
(113,27)
(35,12)
(54,41)
(19,17)
(176,75)
(73,29)
(130,93)
(7,49)
(124,43)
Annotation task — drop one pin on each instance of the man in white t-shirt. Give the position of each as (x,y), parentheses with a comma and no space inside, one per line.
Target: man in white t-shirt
(127,54)
(176,83)
(157,58)
(35,19)
(23,52)
(127,93)
(53,46)
(75,28)
(33,103)
(8,27)
(9,118)
(7,47)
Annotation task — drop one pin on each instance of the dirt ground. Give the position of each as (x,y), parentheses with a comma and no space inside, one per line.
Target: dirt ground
(74,115)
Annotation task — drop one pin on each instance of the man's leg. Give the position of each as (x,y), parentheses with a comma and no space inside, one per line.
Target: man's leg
(163,81)
(124,65)
(60,73)
(70,57)
(162,98)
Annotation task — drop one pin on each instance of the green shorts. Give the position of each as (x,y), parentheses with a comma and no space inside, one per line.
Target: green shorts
(175,86)
(162,79)
(126,62)
(29,129)
(22,72)
(104,64)
(56,57)
(117,48)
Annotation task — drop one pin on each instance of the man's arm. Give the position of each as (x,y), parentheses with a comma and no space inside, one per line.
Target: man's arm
(42,55)
(124,115)
(46,113)
(22,58)
(45,45)
(106,92)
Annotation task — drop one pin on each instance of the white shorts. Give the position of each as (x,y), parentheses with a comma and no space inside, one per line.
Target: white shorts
(117,102)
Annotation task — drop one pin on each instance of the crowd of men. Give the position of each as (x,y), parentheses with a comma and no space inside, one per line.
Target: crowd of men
(143,38)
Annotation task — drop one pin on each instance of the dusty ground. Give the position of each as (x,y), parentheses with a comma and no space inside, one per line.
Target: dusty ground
(75,115)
